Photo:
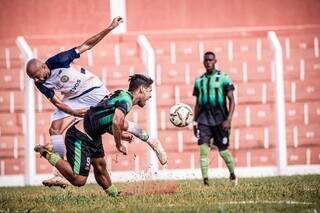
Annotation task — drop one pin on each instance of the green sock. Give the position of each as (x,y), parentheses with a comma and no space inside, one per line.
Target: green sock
(204,164)
(53,158)
(112,191)
(228,159)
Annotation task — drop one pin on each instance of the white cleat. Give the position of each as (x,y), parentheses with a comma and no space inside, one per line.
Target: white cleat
(156,145)
(56,181)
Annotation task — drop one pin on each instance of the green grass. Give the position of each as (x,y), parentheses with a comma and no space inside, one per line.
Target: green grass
(270,194)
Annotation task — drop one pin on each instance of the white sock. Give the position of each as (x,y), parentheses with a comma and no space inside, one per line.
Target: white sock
(134,129)
(58,144)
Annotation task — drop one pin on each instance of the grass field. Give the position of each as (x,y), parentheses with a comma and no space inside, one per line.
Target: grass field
(272,194)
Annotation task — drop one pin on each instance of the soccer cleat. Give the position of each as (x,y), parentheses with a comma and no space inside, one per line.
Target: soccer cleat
(158,149)
(56,181)
(233,179)
(206,181)
(43,149)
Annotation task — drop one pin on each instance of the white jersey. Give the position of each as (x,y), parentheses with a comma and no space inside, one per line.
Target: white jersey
(63,78)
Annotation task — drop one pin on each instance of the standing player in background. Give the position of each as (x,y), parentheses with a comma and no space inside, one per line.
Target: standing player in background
(212,118)
(83,139)
(80,88)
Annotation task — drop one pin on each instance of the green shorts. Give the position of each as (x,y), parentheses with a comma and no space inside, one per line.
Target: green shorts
(219,136)
(81,149)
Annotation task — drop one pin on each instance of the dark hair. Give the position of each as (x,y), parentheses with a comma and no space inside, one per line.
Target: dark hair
(209,53)
(138,80)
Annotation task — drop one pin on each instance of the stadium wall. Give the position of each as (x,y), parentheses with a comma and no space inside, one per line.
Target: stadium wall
(186,14)
(36,17)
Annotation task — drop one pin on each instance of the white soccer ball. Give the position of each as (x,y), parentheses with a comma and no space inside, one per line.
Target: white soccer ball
(181,115)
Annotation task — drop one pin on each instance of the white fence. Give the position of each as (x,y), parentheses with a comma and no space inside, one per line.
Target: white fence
(148,57)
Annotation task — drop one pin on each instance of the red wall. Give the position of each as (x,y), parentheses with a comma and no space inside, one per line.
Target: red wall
(29,17)
(180,14)
(36,17)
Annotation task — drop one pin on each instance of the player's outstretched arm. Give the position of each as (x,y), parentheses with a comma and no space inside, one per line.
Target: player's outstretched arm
(91,42)
(117,127)
(65,108)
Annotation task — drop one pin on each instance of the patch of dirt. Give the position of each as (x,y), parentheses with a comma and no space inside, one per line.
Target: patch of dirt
(149,188)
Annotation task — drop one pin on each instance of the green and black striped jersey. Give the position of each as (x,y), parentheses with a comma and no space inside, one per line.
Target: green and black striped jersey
(98,119)
(211,91)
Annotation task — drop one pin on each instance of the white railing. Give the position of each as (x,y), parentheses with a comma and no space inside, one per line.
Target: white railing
(29,121)
(280,104)
(148,57)
(118,8)
(149,61)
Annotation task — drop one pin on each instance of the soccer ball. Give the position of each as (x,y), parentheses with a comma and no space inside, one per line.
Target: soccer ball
(181,115)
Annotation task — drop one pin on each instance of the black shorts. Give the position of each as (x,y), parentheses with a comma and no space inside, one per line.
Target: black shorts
(215,135)
(81,149)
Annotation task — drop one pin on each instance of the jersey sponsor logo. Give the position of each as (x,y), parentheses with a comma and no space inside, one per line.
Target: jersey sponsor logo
(64,79)
(75,86)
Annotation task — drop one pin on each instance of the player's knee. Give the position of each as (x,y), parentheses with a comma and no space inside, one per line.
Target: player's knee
(79,181)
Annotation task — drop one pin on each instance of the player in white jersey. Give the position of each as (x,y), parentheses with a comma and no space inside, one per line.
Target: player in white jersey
(80,89)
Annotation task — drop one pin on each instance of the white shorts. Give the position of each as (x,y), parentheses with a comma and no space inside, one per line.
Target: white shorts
(87,100)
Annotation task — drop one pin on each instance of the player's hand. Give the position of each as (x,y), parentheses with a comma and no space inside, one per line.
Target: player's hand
(80,112)
(126,136)
(122,149)
(115,22)
(226,124)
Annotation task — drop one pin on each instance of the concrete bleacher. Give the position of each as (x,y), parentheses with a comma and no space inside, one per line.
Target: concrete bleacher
(246,57)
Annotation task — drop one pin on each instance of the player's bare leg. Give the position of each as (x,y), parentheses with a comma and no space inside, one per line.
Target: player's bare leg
(63,167)
(56,130)
(102,176)
(57,140)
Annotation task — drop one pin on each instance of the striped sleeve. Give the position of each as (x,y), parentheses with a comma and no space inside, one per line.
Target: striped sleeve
(227,84)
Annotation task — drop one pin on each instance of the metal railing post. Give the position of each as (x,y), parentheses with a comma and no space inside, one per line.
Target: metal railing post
(29,121)
(280,103)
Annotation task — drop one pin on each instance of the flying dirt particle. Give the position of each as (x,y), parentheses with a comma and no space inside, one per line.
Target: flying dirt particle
(150,188)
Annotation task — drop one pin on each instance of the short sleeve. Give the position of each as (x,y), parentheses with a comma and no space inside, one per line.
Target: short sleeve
(124,103)
(63,59)
(124,106)
(49,93)
(227,84)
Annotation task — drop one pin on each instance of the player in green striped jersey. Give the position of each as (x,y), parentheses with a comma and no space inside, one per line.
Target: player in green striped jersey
(83,139)
(212,117)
